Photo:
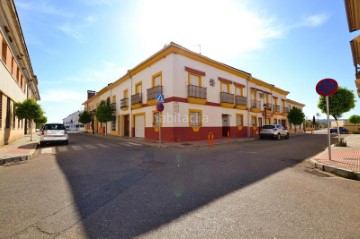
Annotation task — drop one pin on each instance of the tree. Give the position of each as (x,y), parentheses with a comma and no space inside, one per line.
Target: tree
(30,110)
(313,122)
(104,112)
(354,119)
(296,116)
(40,121)
(86,117)
(339,103)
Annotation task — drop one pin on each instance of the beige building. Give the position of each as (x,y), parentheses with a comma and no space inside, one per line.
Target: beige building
(18,81)
(201,97)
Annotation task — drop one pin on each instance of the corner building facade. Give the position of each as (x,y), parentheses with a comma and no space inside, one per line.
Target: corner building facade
(202,97)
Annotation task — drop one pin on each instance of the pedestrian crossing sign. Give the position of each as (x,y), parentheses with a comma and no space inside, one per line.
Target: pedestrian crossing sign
(160,98)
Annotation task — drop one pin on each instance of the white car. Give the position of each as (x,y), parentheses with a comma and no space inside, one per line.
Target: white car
(53,133)
(274,131)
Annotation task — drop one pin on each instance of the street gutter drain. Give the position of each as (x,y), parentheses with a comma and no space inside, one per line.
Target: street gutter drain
(152,164)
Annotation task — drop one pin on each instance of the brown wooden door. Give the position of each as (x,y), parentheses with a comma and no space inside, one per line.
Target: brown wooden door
(126,125)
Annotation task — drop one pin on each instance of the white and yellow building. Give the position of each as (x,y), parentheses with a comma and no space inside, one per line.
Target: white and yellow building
(202,97)
(18,81)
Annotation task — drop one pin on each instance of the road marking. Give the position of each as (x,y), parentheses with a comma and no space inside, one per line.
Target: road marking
(112,144)
(125,144)
(103,145)
(89,146)
(136,144)
(76,147)
(62,149)
(47,150)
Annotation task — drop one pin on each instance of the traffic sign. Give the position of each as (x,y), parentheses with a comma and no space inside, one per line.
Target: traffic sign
(160,98)
(160,107)
(326,87)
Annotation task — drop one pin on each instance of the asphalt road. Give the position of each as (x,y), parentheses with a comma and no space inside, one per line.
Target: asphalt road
(98,187)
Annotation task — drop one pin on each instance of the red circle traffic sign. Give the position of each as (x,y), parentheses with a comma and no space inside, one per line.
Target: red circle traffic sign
(160,107)
(326,87)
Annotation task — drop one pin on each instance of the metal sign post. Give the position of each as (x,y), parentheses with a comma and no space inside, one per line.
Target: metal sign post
(160,108)
(327,87)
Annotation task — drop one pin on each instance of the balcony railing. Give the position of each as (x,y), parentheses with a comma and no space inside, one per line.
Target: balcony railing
(255,104)
(286,109)
(151,93)
(196,92)
(124,103)
(240,100)
(276,108)
(226,98)
(268,106)
(136,99)
(113,106)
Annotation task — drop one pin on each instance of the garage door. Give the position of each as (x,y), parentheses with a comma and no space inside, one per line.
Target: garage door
(140,126)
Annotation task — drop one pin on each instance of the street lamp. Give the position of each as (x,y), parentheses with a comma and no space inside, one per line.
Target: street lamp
(265,107)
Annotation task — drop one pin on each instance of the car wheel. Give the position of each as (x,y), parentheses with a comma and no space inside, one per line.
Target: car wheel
(287,136)
(278,137)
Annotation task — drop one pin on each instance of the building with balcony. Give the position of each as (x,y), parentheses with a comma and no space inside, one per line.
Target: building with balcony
(202,96)
(353,17)
(18,81)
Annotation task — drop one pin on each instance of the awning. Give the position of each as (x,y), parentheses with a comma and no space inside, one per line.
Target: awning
(355,48)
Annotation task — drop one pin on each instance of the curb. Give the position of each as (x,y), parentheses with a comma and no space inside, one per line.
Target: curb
(337,171)
(19,158)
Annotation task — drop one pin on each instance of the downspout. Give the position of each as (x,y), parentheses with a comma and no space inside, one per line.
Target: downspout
(249,106)
(131,90)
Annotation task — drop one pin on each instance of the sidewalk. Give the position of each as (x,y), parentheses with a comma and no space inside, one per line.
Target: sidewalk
(19,150)
(345,161)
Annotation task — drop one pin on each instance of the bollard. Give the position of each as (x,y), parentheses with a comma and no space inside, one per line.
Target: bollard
(210,139)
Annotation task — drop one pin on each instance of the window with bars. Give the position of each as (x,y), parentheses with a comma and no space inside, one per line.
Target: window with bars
(239,120)
(195,118)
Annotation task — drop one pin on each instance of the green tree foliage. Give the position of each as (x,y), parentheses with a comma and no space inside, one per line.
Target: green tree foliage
(354,119)
(339,103)
(30,110)
(296,116)
(104,112)
(85,117)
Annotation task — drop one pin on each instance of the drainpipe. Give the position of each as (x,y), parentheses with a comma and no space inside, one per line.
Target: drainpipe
(130,120)
(249,104)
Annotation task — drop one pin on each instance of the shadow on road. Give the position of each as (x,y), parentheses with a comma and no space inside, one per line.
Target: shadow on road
(123,193)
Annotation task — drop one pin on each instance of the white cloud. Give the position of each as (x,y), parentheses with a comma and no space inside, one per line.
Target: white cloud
(71,31)
(44,8)
(224,29)
(316,20)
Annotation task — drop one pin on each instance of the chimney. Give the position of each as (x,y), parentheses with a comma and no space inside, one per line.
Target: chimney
(90,93)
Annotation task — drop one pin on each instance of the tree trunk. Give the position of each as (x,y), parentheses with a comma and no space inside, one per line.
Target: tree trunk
(30,124)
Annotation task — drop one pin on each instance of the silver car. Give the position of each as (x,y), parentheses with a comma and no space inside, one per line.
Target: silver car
(53,133)
(276,131)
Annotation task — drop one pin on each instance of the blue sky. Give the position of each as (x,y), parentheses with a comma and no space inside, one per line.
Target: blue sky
(82,45)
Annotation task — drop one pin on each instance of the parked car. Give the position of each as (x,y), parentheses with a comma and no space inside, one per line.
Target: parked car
(342,130)
(53,133)
(276,131)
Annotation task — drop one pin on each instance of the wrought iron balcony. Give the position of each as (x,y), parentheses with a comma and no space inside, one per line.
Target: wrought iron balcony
(151,93)
(226,98)
(276,108)
(124,103)
(113,106)
(136,99)
(268,106)
(240,100)
(286,109)
(255,104)
(196,92)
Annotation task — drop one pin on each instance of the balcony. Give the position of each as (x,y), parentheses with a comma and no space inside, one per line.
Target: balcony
(151,94)
(124,104)
(276,108)
(240,102)
(136,101)
(227,100)
(113,106)
(285,111)
(255,106)
(196,94)
(269,107)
